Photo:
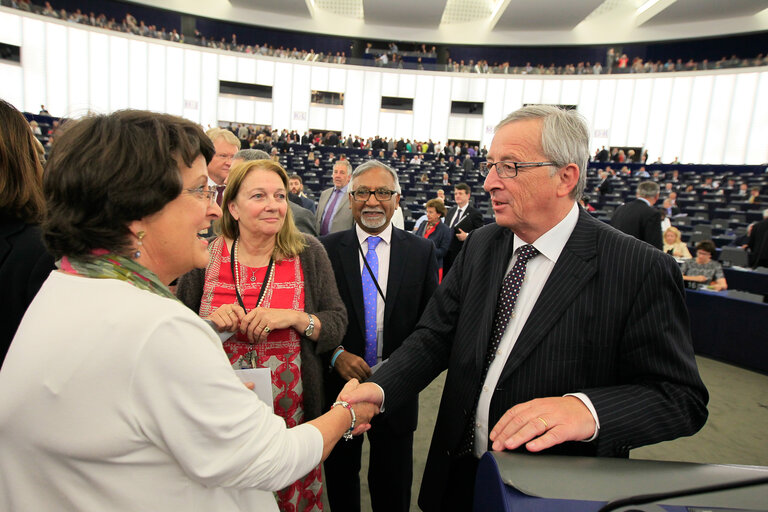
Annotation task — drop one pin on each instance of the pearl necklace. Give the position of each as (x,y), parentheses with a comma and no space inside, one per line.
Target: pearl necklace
(265,285)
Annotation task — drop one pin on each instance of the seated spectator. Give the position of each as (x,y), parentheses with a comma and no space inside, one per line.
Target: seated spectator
(674,245)
(703,269)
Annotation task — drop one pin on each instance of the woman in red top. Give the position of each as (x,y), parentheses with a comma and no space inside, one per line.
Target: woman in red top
(273,287)
(436,231)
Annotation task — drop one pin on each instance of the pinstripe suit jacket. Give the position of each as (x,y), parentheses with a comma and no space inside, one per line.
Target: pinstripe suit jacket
(610,322)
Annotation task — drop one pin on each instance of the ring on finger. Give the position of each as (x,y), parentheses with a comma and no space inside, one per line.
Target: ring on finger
(546,425)
(267,330)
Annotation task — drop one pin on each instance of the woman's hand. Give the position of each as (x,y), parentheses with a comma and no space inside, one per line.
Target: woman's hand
(258,320)
(227,317)
(697,279)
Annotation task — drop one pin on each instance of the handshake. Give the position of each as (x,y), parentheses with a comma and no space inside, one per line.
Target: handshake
(365,399)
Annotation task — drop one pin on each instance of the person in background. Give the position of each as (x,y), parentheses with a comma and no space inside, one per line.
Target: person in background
(273,288)
(24,261)
(703,269)
(149,414)
(674,245)
(436,231)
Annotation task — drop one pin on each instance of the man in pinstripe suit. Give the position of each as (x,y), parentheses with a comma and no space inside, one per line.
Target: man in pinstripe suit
(596,357)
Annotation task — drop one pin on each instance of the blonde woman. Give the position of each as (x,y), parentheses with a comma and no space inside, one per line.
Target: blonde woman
(674,245)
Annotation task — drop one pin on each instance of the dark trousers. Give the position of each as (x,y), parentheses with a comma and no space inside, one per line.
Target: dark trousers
(390,472)
(460,487)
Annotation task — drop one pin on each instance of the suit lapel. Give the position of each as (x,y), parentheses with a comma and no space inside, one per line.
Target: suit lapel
(496,270)
(349,256)
(574,268)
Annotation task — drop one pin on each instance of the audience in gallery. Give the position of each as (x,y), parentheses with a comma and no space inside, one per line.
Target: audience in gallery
(391,56)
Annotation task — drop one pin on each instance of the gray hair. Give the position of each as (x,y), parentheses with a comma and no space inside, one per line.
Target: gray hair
(345,163)
(564,138)
(375,164)
(647,189)
(251,154)
(765,213)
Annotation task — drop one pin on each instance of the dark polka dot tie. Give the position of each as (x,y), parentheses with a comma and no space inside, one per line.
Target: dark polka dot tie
(505,307)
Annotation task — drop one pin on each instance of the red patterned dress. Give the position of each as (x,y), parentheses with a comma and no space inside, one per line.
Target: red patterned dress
(281,353)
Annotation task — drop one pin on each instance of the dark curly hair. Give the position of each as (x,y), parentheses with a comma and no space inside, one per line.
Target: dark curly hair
(106,171)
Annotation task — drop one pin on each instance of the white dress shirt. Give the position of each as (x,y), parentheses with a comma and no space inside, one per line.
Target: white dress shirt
(382,252)
(537,272)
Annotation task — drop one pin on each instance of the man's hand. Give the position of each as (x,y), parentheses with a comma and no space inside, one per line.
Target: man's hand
(365,392)
(364,411)
(349,366)
(461,235)
(543,423)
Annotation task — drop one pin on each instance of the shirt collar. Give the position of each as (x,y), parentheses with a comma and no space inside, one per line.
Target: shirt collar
(342,189)
(386,235)
(644,200)
(551,243)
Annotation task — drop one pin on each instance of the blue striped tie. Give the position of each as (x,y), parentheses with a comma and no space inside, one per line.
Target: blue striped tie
(370,298)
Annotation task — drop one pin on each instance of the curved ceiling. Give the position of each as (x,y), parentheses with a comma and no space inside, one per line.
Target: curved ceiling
(492,22)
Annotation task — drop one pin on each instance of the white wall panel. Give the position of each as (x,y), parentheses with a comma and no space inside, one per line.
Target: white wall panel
(532,91)
(719,115)
(741,118)
(387,125)
(422,107)
(193,68)
(10,29)
(370,125)
(319,78)
(209,89)
(337,79)
(245,111)
(353,102)
(622,103)
(265,72)
(228,68)
(57,99)
(604,101)
(696,127)
(137,74)
(226,108)
(246,70)
(588,107)
(457,127)
(550,92)
(404,125)
(390,84)
(657,121)
(569,92)
(677,116)
(174,80)
(493,110)
(459,89)
(281,95)
(473,129)
(156,80)
(757,148)
(638,113)
(264,112)
(317,118)
(441,108)
(406,85)
(12,85)
(118,73)
(300,98)
(513,96)
(477,88)
(334,118)
(33,61)
(78,85)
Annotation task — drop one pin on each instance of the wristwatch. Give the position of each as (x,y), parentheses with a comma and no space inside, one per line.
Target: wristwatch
(311,327)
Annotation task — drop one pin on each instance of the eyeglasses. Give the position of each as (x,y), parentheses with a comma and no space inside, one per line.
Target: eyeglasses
(382,194)
(208,193)
(507,169)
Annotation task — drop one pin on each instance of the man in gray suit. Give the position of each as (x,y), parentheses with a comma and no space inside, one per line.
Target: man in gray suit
(303,218)
(559,333)
(333,213)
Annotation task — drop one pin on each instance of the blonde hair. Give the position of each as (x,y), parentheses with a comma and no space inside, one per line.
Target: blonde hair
(678,237)
(289,241)
(219,133)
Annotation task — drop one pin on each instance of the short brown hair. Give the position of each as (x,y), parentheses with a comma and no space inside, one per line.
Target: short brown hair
(289,240)
(463,186)
(708,246)
(437,204)
(21,174)
(106,171)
